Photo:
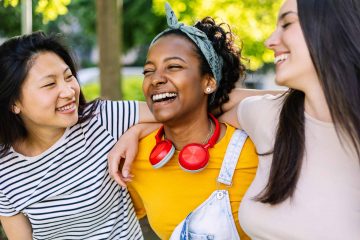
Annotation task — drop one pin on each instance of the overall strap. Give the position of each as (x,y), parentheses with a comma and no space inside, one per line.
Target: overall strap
(231,157)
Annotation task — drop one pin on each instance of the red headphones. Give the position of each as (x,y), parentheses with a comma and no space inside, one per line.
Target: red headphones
(193,157)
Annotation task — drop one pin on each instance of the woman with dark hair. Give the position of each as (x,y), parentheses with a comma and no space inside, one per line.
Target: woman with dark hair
(202,167)
(54,182)
(308,182)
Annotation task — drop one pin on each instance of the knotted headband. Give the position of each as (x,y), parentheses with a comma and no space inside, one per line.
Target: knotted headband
(199,38)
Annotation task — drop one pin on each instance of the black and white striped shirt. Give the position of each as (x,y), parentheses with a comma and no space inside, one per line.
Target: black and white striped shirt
(66,191)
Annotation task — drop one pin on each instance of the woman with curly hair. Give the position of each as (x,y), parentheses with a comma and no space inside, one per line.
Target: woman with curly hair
(202,167)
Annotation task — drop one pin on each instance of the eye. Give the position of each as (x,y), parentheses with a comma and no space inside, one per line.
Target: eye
(49,84)
(147,71)
(284,26)
(174,67)
(69,77)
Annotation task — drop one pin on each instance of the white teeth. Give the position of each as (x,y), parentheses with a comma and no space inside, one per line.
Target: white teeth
(67,107)
(281,57)
(161,96)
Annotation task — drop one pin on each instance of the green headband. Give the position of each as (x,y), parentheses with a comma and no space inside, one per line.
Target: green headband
(199,38)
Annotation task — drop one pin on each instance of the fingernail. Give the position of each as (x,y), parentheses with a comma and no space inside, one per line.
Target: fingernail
(126,173)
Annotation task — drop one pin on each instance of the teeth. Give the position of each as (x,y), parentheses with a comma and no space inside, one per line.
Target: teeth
(67,107)
(161,96)
(281,57)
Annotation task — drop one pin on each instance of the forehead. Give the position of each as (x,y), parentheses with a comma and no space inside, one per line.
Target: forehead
(173,44)
(288,6)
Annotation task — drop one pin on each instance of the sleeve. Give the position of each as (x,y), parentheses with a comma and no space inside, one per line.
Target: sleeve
(6,208)
(137,202)
(118,116)
(248,114)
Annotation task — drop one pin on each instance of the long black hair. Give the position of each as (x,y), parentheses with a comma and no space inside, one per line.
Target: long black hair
(223,41)
(16,55)
(331,30)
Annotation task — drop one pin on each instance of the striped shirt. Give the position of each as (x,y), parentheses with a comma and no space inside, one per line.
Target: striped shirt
(66,191)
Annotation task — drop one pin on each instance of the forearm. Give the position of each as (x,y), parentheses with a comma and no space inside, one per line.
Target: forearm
(145,115)
(17,227)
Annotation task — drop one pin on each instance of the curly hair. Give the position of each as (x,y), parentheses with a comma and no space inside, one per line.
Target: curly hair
(223,41)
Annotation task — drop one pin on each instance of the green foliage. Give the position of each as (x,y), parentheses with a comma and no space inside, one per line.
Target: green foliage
(131,85)
(49,9)
(251,20)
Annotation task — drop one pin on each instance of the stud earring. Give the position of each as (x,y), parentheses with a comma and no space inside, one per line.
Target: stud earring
(208,90)
(16,110)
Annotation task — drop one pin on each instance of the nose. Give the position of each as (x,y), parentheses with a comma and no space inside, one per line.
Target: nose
(273,40)
(158,78)
(67,90)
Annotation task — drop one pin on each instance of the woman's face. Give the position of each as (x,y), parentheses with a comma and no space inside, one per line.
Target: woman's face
(293,64)
(173,85)
(49,96)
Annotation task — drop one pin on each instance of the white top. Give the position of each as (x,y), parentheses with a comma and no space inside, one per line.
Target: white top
(66,191)
(326,202)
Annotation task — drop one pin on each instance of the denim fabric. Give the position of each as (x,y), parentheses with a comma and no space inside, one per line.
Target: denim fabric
(213,218)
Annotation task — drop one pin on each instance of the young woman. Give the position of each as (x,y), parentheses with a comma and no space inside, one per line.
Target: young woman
(54,182)
(190,71)
(308,182)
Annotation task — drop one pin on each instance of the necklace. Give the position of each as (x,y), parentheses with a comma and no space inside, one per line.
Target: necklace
(209,134)
(211,131)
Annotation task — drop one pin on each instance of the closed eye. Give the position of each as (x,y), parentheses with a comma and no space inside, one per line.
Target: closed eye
(146,71)
(284,26)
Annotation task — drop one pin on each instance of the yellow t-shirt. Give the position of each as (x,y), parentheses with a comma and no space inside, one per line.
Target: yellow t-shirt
(167,195)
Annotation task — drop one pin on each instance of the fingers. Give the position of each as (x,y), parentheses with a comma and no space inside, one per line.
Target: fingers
(129,158)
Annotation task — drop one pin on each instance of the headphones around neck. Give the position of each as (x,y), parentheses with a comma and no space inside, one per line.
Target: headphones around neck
(193,157)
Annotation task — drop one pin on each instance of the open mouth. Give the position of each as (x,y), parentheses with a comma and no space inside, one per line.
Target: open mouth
(161,97)
(280,58)
(66,108)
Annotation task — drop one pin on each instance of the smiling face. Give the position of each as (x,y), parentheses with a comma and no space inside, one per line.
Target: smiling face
(173,85)
(49,96)
(293,64)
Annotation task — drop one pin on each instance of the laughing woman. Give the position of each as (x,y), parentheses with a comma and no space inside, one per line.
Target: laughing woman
(54,182)
(202,167)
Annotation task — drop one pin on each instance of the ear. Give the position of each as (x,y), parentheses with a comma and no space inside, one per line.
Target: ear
(209,84)
(15,109)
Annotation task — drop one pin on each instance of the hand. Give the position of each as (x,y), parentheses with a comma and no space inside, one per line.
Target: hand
(122,155)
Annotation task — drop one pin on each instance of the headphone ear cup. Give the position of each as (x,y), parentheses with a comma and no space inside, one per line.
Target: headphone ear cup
(194,157)
(161,153)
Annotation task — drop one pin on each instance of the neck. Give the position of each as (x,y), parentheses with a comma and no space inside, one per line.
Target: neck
(316,105)
(38,142)
(195,131)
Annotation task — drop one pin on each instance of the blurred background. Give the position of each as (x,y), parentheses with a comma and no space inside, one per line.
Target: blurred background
(110,38)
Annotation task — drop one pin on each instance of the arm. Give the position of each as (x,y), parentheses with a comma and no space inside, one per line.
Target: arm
(17,227)
(145,115)
(126,149)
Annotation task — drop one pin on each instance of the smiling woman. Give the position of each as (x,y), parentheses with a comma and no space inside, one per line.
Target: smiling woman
(54,182)
(189,189)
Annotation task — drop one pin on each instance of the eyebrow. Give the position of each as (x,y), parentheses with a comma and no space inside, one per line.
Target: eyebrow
(167,59)
(283,15)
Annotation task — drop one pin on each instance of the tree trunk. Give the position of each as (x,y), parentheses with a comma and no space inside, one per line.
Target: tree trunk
(108,37)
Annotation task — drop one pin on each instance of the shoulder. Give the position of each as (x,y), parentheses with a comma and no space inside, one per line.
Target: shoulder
(254,103)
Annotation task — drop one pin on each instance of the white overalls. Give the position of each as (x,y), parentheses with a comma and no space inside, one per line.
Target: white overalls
(213,218)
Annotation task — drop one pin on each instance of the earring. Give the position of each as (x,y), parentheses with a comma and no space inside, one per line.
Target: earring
(16,110)
(208,90)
